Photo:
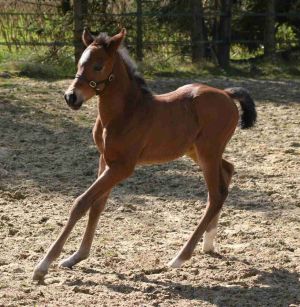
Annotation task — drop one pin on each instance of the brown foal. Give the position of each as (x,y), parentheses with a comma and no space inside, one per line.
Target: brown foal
(136,127)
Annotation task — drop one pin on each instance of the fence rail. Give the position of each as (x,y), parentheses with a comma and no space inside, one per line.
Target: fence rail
(159,14)
(152,43)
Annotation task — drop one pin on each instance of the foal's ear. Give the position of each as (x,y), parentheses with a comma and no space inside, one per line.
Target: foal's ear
(87,37)
(116,41)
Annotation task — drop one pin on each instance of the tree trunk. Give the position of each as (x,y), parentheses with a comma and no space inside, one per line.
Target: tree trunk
(80,8)
(197,35)
(215,27)
(269,33)
(223,50)
(139,30)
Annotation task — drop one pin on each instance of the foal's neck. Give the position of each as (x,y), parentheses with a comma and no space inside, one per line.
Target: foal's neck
(121,96)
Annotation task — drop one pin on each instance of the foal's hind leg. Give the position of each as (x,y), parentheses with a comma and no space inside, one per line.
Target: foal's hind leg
(210,234)
(217,185)
(211,231)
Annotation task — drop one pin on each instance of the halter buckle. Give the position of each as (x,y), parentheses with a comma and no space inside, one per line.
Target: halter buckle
(93,84)
(111,77)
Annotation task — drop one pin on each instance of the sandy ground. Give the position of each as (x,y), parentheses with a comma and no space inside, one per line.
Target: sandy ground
(47,158)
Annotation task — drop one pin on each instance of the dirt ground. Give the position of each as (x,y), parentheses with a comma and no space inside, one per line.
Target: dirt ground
(47,158)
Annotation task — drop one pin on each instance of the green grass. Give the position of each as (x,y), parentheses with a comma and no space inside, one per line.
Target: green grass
(41,63)
(44,63)
(259,68)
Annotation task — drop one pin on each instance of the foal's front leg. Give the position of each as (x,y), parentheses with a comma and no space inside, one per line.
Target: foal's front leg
(94,215)
(110,177)
(86,243)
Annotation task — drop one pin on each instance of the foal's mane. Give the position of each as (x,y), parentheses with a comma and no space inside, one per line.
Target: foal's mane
(103,40)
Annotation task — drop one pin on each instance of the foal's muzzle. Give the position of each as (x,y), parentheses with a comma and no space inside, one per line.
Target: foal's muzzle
(72,100)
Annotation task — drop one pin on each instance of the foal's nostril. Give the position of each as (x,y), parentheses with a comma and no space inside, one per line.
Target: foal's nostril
(70,97)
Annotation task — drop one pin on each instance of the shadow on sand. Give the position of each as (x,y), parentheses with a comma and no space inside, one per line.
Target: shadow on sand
(276,288)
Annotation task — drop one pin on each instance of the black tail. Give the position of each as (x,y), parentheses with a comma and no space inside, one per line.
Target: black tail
(248,117)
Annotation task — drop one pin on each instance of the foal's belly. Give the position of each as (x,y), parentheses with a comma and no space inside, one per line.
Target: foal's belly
(165,146)
(173,132)
(150,157)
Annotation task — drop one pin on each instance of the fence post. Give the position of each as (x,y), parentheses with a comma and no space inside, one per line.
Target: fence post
(223,50)
(269,33)
(197,37)
(139,30)
(80,8)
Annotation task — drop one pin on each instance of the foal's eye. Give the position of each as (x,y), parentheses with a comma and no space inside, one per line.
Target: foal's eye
(98,67)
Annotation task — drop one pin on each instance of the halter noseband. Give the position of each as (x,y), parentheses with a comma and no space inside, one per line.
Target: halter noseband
(94,84)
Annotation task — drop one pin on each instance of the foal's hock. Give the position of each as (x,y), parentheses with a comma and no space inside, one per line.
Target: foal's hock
(134,126)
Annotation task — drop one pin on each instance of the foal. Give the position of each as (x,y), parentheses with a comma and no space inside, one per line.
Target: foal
(136,127)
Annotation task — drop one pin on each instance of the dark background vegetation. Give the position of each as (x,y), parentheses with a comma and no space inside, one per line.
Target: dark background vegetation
(229,37)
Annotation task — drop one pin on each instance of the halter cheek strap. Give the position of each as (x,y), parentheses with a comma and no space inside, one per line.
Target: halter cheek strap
(95,84)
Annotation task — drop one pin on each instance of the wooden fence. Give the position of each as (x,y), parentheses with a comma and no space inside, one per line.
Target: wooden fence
(50,23)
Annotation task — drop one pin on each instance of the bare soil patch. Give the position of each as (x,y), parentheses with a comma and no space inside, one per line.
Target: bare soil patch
(47,157)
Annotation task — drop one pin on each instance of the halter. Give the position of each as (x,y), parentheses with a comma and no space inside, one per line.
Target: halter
(94,84)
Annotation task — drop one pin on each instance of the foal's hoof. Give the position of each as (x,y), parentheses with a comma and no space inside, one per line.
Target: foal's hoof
(72,260)
(207,249)
(176,262)
(39,276)
(66,263)
(210,248)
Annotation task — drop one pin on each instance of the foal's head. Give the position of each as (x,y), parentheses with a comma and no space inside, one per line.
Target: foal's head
(95,67)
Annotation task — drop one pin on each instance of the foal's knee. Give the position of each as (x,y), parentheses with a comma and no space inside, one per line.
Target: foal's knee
(228,170)
(223,193)
(79,208)
(219,198)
